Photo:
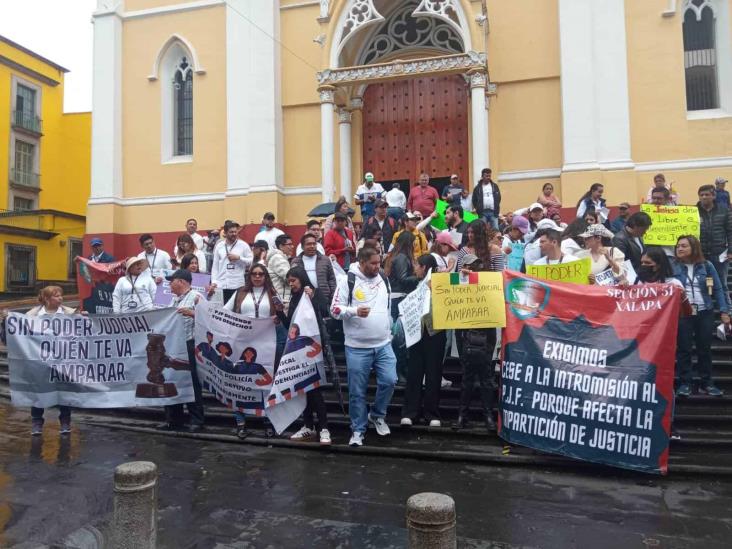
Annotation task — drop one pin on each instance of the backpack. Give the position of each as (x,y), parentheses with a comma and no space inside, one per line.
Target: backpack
(352,284)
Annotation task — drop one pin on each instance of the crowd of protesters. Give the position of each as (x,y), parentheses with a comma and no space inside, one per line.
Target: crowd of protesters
(395,247)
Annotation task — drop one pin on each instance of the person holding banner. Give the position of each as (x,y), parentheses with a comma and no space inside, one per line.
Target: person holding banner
(362,302)
(186,245)
(425,363)
(51,299)
(319,270)
(399,267)
(476,352)
(134,292)
(703,288)
(299,283)
(601,257)
(185,302)
(249,300)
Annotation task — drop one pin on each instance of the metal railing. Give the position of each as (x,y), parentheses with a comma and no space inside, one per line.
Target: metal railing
(27,121)
(24,179)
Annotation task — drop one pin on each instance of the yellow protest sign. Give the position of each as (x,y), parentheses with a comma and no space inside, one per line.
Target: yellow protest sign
(669,223)
(576,272)
(473,301)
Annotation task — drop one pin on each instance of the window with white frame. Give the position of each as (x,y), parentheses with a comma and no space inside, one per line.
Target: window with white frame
(183,105)
(23,173)
(700,55)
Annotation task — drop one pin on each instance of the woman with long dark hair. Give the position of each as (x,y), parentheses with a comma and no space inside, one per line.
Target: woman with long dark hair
(256,299)
(593,199)
(399,267)
(189,262)
(300,285)
(703,288)
(184,246)
(480,244)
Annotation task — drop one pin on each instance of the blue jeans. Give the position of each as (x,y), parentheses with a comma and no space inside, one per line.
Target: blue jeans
(491,218)
(359,363)
(64,413)
(395,213)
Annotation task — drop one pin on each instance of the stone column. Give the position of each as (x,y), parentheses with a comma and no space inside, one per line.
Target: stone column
(135,506)
(357,167)
(344,129)
(327,98)
(431,521)
(479,114)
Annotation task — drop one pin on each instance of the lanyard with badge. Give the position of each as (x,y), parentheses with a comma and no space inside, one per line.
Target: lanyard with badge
(229,266)
(257,302)
(151,265)
(132,303)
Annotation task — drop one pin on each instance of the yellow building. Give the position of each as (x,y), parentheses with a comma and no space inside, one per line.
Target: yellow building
(220,109)
(47,167)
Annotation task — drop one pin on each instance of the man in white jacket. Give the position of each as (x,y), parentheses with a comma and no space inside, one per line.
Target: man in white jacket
(361,300)
(157,260)
(231,259)
(278,263)
(134,292)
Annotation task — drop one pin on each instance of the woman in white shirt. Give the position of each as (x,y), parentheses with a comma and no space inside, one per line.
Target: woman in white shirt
(601,257)
(185,245)
(51,299)
(134,292)
(256,299)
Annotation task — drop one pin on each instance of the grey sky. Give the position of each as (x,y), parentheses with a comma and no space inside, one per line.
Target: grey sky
(60,30)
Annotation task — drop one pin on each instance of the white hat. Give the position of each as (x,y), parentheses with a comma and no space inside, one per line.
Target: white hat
(132,260)
(547,224)
(414,215)
(536,206)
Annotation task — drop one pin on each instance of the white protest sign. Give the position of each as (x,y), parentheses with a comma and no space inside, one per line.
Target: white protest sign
(99,361)
(235,357)
(608,277)
(411,311)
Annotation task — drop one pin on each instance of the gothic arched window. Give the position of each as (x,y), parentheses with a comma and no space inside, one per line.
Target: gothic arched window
(183,109)
(700,55)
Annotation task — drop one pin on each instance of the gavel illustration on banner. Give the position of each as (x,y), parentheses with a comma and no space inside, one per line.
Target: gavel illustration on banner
(157,362)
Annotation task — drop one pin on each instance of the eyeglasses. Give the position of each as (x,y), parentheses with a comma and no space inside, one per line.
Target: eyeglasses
(257,274)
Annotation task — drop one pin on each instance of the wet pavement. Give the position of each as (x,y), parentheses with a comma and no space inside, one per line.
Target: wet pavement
(222,495)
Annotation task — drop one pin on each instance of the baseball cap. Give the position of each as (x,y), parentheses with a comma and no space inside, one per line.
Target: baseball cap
(536,206)
(413,215)
(547,224)
(597,230)
(623,206)
(180,274)
(521,223)
(96,242)
(720,181)
(369,176)
(445,238)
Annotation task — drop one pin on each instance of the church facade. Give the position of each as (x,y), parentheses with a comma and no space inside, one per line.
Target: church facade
(225,109)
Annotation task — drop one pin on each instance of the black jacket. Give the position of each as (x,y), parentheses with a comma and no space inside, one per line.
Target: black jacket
(627,244)
(387,230)
(715,230)
(326,279)
(478,198)
(401,275)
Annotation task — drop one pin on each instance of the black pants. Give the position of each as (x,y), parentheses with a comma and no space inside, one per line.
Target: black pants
(315,403)
(227,295)
(479,368)
(64,413)
(425,362)
(697,329)
(174,413)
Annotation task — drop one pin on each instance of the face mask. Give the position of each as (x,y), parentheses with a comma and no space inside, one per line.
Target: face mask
(646,273)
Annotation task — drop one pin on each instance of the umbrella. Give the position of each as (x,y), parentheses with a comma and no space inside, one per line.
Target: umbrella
(325,209)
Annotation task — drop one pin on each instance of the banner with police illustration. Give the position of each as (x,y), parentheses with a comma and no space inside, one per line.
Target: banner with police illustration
(235,356)
(587,371)
(100,361)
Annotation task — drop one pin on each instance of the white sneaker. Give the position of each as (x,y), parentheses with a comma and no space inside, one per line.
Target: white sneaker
(435,423)
(445,383)
(381,427)
(325,437)
(406,422)
(303,434)
(356,439)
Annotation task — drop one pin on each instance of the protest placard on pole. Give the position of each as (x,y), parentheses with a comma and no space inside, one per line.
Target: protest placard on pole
(411,311)
(575,272)
(235,357)
(588,372)
(473,301)
(100,361)
(669,223)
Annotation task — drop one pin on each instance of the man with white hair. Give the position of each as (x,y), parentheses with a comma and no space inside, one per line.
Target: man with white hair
(367,194)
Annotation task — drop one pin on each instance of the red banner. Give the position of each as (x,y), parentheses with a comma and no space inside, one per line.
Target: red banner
(588,371)
(96,283)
